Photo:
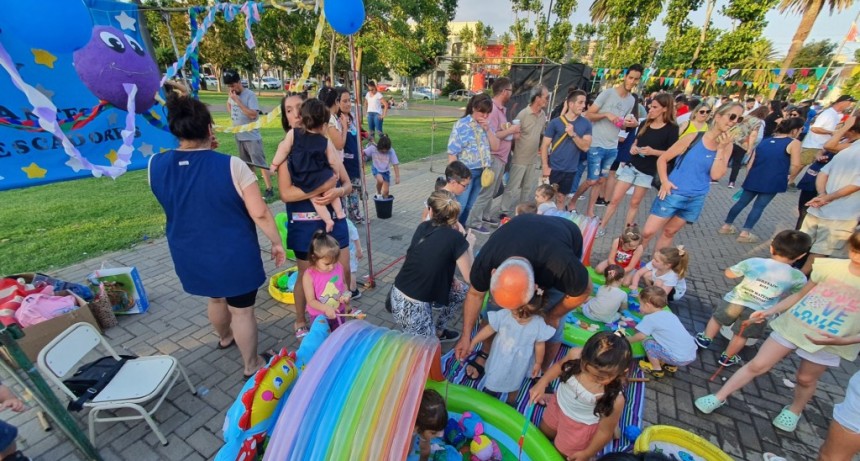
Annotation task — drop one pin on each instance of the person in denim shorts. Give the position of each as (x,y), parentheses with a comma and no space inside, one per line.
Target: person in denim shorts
(609,115)
(699,158)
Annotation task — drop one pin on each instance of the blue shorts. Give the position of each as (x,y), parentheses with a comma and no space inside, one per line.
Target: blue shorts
(553,298)
(301,227)
(386,175)
(599,161)
(8,433)
(686,208)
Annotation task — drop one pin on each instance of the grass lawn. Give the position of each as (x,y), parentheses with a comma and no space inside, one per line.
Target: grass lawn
(58,224)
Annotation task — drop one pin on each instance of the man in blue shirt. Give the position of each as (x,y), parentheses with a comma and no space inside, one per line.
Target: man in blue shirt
(566,137)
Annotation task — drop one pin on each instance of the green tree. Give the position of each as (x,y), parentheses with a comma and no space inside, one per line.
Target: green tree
(815,53)
(626,39)
(809,10)
(558,44)
(408,35)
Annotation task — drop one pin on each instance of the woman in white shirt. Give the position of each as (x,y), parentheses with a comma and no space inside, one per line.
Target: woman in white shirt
(377,109)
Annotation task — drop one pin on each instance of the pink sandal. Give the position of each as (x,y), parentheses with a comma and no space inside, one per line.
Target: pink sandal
(301,332)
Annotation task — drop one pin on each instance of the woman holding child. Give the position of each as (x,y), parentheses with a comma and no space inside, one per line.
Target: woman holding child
(699,159)
(302,220)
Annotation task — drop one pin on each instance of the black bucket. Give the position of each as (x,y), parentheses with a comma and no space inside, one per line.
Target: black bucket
(384,206)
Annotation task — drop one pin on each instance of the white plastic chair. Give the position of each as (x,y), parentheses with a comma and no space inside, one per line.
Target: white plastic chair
(138,381)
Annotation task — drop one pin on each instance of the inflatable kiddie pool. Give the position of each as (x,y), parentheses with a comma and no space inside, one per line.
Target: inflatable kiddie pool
(356,397)
(502,423)
(678,444)
(578,328)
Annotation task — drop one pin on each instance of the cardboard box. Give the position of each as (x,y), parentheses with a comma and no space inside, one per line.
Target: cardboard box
(129,279)
(38,336)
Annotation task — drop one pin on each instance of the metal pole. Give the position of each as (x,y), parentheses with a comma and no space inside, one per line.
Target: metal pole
(433,120)
(829,65)
(371,282)
(46,396)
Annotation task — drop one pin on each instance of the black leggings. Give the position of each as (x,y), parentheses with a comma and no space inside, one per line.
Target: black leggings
(737,159)
(805,196)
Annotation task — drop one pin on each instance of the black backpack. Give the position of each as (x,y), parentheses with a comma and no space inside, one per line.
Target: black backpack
(92,377)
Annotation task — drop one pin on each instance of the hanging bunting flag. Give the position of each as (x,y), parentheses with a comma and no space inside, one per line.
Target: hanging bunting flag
(599,73)
(662,80)
(773,86)
(804,72)
(739,83)
(688,72)
(852,33)
(793,87)
(748,84)
(775,72)
(819,72)
(789,72)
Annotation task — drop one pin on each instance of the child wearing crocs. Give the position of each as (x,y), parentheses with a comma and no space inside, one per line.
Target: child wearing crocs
(667,343)
(821,323)
(764,282)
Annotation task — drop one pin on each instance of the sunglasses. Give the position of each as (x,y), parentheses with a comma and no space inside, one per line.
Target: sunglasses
(705,111)
(733,117)
(794,114)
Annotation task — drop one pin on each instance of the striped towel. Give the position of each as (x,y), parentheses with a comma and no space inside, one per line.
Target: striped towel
(634,394)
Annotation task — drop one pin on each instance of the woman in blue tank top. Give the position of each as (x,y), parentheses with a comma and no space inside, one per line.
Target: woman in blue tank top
(773,162)
(302,220)
(214,206)
(699,158)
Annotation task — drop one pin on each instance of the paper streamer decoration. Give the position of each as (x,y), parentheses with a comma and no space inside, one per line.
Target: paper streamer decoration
(230,10)
(46,112)
(275,115)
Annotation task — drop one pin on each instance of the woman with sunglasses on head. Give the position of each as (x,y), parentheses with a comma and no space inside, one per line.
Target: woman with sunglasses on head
(698,122)
(656,135)
(682,193)
(750,134)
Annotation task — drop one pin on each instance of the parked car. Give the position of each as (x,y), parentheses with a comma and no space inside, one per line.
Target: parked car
(426,94)
(211,82)
(244,83)
(427,89)
(268,83)
(383,87)
(460,95)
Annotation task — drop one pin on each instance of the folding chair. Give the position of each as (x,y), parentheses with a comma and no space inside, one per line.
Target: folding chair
(137,382)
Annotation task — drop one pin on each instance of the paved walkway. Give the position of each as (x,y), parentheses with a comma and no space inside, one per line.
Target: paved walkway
(176,324)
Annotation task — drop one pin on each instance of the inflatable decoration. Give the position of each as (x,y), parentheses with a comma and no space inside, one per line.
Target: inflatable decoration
(113,58)
(484,448)
(252,416)
(499,421)
(578,328)
(357,399)
(677,443)
(344,16)
(56,25)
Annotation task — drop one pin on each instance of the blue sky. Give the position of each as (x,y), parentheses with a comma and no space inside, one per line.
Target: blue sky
(779,30)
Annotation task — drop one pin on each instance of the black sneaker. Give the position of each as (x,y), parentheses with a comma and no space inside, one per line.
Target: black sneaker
(601,202)
(356,293)
(448,336)
(269,195)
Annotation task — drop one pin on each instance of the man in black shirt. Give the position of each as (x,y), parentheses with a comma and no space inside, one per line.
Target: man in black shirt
(553,246)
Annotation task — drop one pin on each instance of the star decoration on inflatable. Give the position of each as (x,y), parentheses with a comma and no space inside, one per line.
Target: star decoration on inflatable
(44,58)
(126,22)
(146,149)
(34,171)
(48,93)
(111,156)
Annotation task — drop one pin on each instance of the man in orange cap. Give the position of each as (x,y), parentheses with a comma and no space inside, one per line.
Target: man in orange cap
(528,253)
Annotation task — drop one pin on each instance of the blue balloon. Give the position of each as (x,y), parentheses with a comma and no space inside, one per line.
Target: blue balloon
(345,16)
(51,25)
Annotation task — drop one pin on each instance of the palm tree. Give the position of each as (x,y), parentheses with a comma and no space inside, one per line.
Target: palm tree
(809,9)
(709,10)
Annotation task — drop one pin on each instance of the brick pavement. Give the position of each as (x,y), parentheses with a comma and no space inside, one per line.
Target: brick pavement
(176,324)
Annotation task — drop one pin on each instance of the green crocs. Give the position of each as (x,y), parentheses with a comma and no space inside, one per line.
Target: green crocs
(786,420)
(708,403)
